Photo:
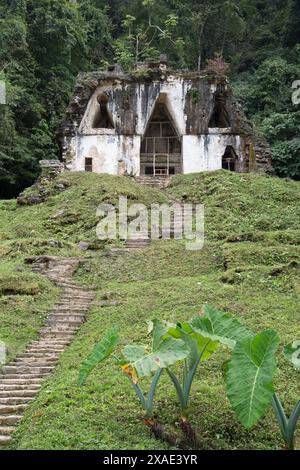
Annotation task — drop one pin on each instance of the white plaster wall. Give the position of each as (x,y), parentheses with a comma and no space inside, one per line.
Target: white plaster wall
(173,91)
(107,151)
(199,153)
(204,152)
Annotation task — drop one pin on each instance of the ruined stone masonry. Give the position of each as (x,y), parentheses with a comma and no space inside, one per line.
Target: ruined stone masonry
(157,122)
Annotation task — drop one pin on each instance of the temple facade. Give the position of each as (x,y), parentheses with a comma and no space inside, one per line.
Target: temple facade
(158,122)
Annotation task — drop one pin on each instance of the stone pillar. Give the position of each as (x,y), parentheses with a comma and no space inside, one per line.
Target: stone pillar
(51,168)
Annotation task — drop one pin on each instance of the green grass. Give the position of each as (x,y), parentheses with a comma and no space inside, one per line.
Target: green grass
(249,267)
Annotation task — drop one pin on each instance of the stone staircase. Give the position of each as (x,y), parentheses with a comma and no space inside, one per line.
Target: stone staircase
(22,378)
(159,182)
(137,243)
(143,240)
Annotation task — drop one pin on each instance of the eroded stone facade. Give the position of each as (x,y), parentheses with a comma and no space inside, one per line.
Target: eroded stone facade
(157,121)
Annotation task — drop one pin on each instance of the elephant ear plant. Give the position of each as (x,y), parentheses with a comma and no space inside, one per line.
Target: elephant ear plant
(250,373)
(180,348)
(189,342)
(202,335)
(287,425)
(138,361)
(250,385)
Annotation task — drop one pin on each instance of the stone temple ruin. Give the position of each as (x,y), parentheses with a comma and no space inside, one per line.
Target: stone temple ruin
(157,122)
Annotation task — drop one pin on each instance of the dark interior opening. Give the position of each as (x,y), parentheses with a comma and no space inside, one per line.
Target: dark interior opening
(229,159)
(89,164)
(103,120)
(220,116)
(149,170)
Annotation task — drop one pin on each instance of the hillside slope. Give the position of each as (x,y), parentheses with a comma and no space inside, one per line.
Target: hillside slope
(249,266)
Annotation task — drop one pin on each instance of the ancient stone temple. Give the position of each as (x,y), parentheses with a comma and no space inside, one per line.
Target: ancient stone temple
(157,121)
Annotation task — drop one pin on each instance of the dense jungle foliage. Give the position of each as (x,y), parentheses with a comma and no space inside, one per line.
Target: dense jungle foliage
(45,43)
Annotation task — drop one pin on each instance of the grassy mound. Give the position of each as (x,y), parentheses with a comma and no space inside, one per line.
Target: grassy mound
(69,216)
(246,206)
(249,267)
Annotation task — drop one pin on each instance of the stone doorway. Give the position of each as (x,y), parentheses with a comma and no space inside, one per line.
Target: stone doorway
(230,159)
(161,145)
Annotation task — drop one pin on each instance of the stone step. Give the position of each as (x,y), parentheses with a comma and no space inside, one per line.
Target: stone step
(61,330)
(25,377)
(137,242)
(15,387)
(140,237)
(69,309)
(121,250)
(75,292)
(74,305)
(12,409)
(136,245)
(61,268)
(20,381)
(141,243)
(54,273)
(9,420)
(45,355)
(12,401)
(133,247)
(37,363)
(6,430)
(43,350)
(59,343)
(84,295)
(70,304)
(66,333)
(69,329)
(21,369)
(68,314)
(59,273)
(60,282)
(5,440)
(17,393)
(40,360)
(68,320)
(69,284)
(49,347)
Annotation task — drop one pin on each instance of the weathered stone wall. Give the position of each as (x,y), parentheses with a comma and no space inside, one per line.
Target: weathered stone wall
(190,99)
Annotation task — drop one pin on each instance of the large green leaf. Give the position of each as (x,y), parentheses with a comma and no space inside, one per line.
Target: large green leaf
(250,376)
(102,350)
(201,347)
(158,329)
(168,352)
(292,353)
(220,326)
